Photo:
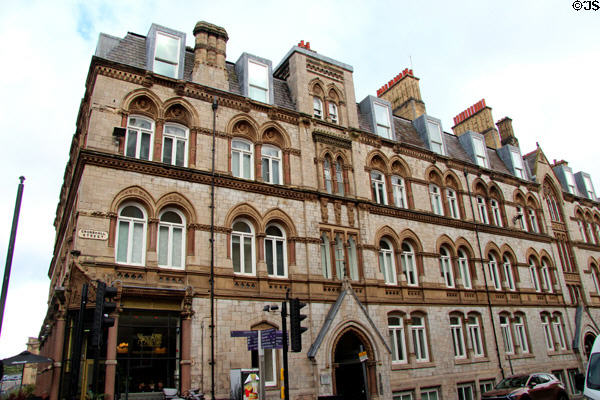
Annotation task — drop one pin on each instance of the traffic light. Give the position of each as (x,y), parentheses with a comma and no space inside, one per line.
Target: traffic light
(104,306)
(296,330)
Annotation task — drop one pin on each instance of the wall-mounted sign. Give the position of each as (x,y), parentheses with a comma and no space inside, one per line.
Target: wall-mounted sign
(92,234)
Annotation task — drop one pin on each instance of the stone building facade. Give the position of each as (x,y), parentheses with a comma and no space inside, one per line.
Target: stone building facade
(452,259)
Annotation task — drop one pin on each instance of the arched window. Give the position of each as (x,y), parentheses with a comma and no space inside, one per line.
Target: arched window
(378,187)
(333,112)
(386,262)
(547,331)
(546,277)
(242,247)
(408,264)
(446,267)
(506,330)
(519,218)
(339,176)
(419,338)
(463,268)
(481,207)
(436,199)
(340,257)
(327,175)
(131,235)
(271,164)
(496,212)
(171,239)
(493,271)
(317,107)
(140,133)
(559,330)
(352,258)
(552,204)
(595,277)
(533,222)
(521,333)
(242,159)
(535,281)
(397,338)
(175,139)
(399,192)
(508,272)
(475,335)
(325,256)
(275,252)
(458,337)
(452,203)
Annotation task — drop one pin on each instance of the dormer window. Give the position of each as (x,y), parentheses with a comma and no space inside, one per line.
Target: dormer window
(317,107)
(435,137)
(570,181)
(382,118)
(166,55)
(517,164)
(479,151)
(589,188)
(258,81)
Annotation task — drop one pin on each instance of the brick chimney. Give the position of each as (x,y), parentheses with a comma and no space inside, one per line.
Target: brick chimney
(404,95)
(478,118)
(507,135)
(209,56)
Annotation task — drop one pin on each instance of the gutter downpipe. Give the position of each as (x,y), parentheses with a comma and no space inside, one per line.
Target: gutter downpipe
(215,105)
(487,291)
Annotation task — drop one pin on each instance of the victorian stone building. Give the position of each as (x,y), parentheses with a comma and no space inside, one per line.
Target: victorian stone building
(452,259)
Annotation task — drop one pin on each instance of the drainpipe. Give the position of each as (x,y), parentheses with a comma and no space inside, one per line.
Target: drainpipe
(212,255)
(487,291)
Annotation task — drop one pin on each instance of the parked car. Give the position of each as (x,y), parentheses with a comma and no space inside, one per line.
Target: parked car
(537,386)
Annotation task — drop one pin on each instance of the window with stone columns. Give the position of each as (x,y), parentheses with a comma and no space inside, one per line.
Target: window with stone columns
(340,255)
(552,203)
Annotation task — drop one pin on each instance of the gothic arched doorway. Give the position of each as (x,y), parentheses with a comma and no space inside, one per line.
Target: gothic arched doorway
(588,342)
(353,378)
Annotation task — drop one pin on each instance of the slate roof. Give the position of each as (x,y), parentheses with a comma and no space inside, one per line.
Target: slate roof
(131,50)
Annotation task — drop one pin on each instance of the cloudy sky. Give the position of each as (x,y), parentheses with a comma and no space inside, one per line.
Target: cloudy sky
(537,62)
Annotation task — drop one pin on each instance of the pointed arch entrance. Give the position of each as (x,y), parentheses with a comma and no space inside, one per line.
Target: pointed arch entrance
(353,379)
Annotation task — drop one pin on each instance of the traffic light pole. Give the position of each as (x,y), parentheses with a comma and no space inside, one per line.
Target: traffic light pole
(286,386)
(78,338)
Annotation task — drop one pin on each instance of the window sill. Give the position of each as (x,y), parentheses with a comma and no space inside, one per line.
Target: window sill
(554,353)
(518,356)
(464,361)
(413,365)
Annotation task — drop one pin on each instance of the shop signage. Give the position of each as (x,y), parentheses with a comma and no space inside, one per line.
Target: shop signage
(92,234)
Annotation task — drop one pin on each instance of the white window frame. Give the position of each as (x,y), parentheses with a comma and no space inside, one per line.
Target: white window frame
(378,187)
(533,221)
(594,271)
(274,240)
(436,141)
(131,239)
(521,333)
(493,272)
(452,203)
(399,191)
(430,394)
(327,176)
(476,335)
(589,188)
(458,337)
(559,330)
(339,176)
(521,218)
(171,227)
(590,233)
(333,113)
(383,127)
(597,230)
(340,256)
(546,278)
(175,62)
(486,385)
(535,280)
(482,208)
(175,140)
(404,395)
(479,149)
(272,355)
(270,160)
(494,205)
(139,132)
(242,243)
(352,258)
(325,256)
(397,339)
(506,329)
(252,84)
(508,272)
(386,262)
(580,225)
(436,199)
(317,107)
(463,267)
(547,332)
(242,154)
(419,338)
(409,266)
(446,267)
(570,182)
(465,391)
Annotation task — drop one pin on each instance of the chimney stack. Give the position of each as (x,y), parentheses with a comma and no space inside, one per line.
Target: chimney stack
(478,118)
(404,95)
(209,56)
(507,135)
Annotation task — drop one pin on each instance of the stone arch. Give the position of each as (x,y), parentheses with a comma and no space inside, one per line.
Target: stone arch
(589,336)
(531,252)
(544,255)
(273,133)
(136,194)
(316,87)
(464,243)
(507,249)
(444,240)
(413,238)
(243,125)
(492,247)
(334,94)
(434,175)
(495,192)
(549,187)
(400,167)
(519,197)
(451,180)
(276,215)
(531,201)
(377,160)
(386,231)
(177,200)
(243,210)
(180,110)
(142,102)
(480,187)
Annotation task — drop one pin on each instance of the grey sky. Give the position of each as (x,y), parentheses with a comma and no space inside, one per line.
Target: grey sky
(536,62)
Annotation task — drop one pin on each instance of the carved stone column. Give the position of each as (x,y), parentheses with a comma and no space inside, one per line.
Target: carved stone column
(59,336)
(111,359)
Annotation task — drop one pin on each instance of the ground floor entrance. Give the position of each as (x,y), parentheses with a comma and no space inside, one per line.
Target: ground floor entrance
(352,377)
